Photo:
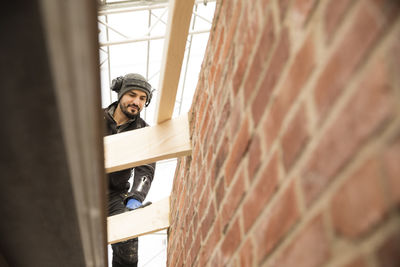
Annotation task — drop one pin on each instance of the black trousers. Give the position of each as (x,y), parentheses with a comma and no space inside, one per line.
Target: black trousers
(125,254)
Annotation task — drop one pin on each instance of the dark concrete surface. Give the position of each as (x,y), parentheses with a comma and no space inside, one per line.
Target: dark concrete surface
(38,225)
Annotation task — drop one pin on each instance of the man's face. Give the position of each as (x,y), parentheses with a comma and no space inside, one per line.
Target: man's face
(132,102)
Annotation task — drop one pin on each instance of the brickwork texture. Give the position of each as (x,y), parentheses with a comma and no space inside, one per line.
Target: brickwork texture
(295,128)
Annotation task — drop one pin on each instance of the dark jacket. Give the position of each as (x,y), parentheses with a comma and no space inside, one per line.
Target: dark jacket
(143,175)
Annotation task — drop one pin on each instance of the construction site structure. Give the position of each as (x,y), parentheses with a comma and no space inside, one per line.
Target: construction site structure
(289,155)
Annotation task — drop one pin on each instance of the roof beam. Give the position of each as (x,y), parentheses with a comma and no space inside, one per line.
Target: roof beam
(133,7)
(170,139)
(145,38)
(174,50)
(139,222)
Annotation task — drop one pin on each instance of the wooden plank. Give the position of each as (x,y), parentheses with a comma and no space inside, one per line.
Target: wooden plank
(170,139)
(180,12)
(138,222)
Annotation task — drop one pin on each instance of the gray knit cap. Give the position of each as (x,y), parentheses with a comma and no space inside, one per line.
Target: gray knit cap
(130,81)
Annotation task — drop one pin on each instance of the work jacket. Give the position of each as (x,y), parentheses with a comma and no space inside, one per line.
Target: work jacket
(143,175)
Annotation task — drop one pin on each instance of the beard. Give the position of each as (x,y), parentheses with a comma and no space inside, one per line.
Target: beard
(130,115)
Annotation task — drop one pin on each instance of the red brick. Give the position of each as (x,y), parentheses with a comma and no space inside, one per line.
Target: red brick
(357,262)
(273,73)
(211,75)
(276,223)
(200,85)
(196,235)
(283,7)
(196,152)
(192,169)
(205,200)
(189,239)
(208,221)
(297,77)
(295,81)
(234,262)
(208,166)
(223,118)
(301,11)
(258,197)
(204,126)
(393,57)
(335,12)
(220,192)
(260,57)
(237,152)
(218,75)
(171,259)
(180,260)
(217,259)
(235,118)
(211,243)
(221,98)
(232,26)
(253,28)
(367,110)
(240,71)
(357,41)
(359,204)
(188,219)
(246,257)
(389,9)
(272,125)
(201,111)
(231,241)
(195,248)
(184,254)
(295,138)
(220,37)
(181,200)
(388,253)
(232,198)
(195,222)
(208,145)
(392,171)
(310,248)
(246,49)
(221,156)
(198,189)
(254,156)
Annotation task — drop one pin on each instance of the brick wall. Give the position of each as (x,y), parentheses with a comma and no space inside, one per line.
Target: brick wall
(296,138)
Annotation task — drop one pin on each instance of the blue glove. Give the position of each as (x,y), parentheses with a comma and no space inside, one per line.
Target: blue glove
(133,204)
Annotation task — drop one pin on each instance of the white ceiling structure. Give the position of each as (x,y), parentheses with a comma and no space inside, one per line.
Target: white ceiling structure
(131,36)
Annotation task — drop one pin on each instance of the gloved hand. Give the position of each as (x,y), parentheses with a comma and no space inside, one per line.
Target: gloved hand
(133,204)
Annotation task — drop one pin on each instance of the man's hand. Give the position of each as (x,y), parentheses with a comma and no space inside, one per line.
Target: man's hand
(133,204)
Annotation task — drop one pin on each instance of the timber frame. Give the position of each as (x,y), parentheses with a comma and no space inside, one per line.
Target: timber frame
(53,170)
(152,218)
(71,41)
(170,137)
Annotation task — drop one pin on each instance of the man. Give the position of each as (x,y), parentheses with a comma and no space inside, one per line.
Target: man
(134,93)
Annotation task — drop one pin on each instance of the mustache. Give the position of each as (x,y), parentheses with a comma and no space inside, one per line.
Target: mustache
(133,105)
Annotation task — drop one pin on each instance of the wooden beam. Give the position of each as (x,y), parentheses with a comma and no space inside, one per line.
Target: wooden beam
(170,139)
(180,12)
(138,222)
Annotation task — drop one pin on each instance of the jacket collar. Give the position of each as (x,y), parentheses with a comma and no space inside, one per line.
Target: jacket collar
(110,112)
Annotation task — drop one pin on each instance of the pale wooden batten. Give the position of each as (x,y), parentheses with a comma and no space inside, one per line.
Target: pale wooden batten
(139,222)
